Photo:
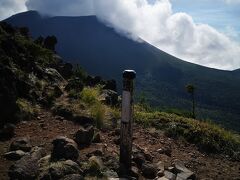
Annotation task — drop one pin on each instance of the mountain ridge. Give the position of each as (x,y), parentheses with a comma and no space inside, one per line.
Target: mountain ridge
(162,77)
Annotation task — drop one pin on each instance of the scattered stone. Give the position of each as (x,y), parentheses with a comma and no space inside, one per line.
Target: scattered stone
(160,168)
(84,136)
(116,141)
(96,138)
(148,156)
(109,97)
(58,169)
(64,148)
(139,159)
(134,172)
(94,166)
(62,168)
(182,172)
(110,84)
(21,144)
(14,155)
(110,174)
(72,177)
(169,175)
(27,167)
(166,151)
(149,170)
(97,152)
(83,120)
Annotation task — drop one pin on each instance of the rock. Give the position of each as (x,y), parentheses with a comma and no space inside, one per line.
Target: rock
(75,84)
(57,91)
(182,172)
(64,112)
(72,177)
(96,162)
(169,175)
(134,172)
(21,144)
(64,148)
(139,159)
(110,174)
(62,168)
(109,97)
(160,168)
(53,75)
(116,141)
(148,156)
(84,136)
(58,169)
(97,152)
(165,150)
(96,138)
(93,81)
(7,131)
(162,178)
(82,120)
(94,166)
(185,176)
(66,70)
(110,84)
(149,170)
(14,155)
(27,167)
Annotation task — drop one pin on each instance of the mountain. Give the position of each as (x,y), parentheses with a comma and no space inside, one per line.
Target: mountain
(161,78)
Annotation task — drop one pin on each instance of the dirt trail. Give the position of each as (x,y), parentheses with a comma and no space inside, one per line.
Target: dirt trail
(46,127)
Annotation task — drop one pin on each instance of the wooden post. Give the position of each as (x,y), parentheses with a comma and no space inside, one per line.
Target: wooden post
(126,122)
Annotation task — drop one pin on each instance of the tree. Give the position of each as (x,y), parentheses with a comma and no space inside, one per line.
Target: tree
(50,42)
(191,90)
(39,41)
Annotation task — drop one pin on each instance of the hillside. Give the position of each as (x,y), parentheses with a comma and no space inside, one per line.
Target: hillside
(61,123)
(161,77)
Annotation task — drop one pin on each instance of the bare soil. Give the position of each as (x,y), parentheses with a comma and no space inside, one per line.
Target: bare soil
(46,127)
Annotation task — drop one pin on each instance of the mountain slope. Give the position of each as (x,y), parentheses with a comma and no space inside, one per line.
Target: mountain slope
(161,77)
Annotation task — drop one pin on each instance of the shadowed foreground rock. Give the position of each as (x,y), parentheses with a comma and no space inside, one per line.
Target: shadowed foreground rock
(64,148)
(27,167)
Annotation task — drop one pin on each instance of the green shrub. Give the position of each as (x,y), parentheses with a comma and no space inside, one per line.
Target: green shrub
(26,109)
(90,95)
(98,112)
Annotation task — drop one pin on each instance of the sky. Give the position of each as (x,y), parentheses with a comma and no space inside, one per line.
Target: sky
(206,32)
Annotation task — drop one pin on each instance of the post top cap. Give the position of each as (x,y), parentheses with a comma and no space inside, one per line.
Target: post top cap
(129,74)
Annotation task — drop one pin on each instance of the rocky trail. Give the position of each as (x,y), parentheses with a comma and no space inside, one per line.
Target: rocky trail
(150,147)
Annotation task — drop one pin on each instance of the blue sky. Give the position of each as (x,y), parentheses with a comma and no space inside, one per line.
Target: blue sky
(223,16)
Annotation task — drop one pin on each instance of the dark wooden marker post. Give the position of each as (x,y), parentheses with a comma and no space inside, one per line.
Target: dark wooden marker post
(127,121)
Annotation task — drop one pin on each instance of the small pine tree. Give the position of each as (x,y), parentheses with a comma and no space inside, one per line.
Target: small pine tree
(191,90)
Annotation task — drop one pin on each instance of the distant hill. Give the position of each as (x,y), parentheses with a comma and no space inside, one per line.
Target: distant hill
(161,77)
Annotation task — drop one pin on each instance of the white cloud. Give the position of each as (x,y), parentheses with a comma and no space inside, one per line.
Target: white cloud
(10,7)
(175,33)
(155,22)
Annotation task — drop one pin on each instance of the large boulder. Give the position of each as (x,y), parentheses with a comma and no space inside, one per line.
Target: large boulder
(110,84)
(84,136)
(64,148)
(57,169)
(149,170)
(53,75)
(74,84)
(27,167)
(183,172)
(22,143)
